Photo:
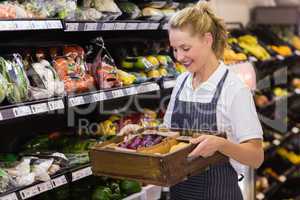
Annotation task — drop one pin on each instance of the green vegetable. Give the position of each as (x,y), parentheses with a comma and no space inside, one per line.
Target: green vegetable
(102,193)
(130,187)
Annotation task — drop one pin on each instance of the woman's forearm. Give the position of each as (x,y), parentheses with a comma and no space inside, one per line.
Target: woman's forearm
(249,153)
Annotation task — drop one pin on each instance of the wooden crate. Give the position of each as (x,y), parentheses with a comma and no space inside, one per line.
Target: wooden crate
(163,170)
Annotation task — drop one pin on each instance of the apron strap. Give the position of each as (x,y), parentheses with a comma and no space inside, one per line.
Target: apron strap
(219,88)
(181,86)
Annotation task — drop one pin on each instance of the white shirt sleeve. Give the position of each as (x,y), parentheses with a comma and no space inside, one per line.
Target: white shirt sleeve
(243,116)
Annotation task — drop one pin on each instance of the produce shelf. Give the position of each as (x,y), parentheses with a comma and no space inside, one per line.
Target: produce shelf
(64,177)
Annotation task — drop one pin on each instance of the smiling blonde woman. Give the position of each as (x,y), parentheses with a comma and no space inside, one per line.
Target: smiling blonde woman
(210,97)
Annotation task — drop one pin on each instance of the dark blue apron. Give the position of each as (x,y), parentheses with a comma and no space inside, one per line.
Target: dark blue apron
(220,182)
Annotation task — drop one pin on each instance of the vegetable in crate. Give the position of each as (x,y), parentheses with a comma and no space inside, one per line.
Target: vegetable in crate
(130,187)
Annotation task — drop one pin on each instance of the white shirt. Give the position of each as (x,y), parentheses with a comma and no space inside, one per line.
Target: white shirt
(236,112)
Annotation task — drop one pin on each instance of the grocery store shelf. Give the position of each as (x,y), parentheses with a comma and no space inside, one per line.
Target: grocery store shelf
(98,96)
(30,24)
(31,108)
(169,83)
(65,177)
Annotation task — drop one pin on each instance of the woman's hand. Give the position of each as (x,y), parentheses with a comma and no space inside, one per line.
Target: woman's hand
(128,129)
(207,145)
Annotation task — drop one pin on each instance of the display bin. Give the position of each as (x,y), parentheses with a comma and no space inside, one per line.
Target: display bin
(157,169)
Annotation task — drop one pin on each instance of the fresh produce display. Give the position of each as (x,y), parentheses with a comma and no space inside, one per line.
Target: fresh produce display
(12,70)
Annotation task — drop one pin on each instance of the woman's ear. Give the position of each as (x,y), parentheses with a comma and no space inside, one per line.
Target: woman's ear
(208,39)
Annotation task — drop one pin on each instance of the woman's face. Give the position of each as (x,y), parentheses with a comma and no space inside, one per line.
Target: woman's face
(191,51)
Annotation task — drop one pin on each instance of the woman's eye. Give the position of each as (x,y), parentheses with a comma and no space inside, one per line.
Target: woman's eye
(186,49)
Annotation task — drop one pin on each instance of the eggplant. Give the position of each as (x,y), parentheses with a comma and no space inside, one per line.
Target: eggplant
(135,143)
(158,140)
(147,139)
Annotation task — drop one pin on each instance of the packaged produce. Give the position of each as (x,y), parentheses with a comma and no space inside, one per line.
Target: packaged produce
(17,83)
(3,87)
(44,81)
(129,10)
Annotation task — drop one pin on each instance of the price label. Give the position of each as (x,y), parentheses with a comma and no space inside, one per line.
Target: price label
(1,117)
(23,25)
(131,91)
(108,26)
(81,173)
(54,24)
(165,26)
(8,25)
(29,192)
(39,108)
(280,57)
(12,196)
(276,142)
(117,93)
(143,26)
(148,88)
(22,111)
(39,25)
(153,26)
(59,181)
(90,26)
(99,97)
(75,101)
(131,26)
(120,26)
(295,130)
(43,187)
(72,26)
(169,84)
(56,105)
(297,52)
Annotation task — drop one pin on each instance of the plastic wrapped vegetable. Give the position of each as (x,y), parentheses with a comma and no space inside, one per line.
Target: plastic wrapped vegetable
(3,86)
(44,81)
(6,181)
(130,10)
(17,82)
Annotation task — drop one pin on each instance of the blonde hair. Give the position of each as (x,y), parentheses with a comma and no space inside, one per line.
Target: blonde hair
(201,19)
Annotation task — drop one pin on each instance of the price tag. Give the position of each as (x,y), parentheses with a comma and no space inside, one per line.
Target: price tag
(90,26)
(59,181)
(297,52)
(39,25)
(276,142)
(131,91)
(56,105)
(81,174)
(169,84)
(75,101)
(279,57)
(143,26)
(282,178)
(131,26)
(165,26)
(117,93)
(99,97)
(8,25)
(43,187)
(120,26)
(260,196)
(12,196)
(22,111)
(29,192)
(295,130)
(1,117)
(252,59)
(72,26)
(108,26)
(153,26)
(23,25)
(54,24)
(39,108)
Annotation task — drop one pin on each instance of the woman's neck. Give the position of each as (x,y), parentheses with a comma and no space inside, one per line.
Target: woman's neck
(205,72)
